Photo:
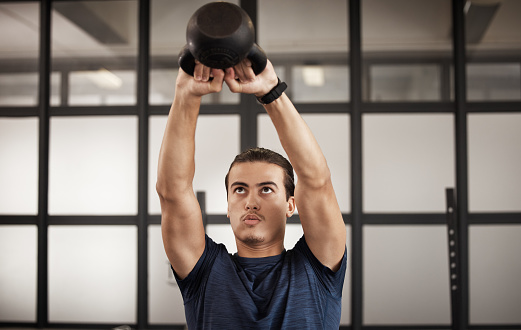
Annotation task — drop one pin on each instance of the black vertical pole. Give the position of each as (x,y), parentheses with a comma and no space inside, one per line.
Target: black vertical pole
(248,104)
(43,162)
(142,103)
(454,259)
(461,151)
(355,69)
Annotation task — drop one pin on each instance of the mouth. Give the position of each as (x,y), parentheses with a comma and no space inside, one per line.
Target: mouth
(251,219)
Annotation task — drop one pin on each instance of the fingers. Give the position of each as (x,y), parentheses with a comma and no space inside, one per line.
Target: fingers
(244,72)
(216,84)
(201,72)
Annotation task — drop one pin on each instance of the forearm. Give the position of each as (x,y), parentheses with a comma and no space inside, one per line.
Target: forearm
(299,142)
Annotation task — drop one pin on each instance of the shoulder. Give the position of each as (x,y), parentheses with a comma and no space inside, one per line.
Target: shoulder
(301,248)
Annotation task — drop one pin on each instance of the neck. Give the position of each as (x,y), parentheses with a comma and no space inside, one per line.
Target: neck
(249,250)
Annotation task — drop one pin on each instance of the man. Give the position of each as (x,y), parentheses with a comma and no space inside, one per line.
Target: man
(263,286)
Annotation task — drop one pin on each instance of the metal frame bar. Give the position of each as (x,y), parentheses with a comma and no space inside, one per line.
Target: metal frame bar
(355,92)
(460,90)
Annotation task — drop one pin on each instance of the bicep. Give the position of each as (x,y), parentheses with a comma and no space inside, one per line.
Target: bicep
(183,232)
(322,222)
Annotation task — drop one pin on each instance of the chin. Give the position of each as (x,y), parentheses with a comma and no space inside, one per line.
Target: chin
(253,239)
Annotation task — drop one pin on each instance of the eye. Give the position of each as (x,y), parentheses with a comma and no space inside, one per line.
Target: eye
(266,190)
(239,190)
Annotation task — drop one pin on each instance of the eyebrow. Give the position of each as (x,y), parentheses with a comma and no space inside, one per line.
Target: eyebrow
(261,184)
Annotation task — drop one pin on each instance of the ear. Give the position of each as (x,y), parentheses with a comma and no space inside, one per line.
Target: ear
(291,207)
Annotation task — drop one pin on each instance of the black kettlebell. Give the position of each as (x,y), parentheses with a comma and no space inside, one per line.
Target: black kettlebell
(220,35)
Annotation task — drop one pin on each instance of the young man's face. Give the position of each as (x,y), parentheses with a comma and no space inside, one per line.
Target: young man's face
(257,205)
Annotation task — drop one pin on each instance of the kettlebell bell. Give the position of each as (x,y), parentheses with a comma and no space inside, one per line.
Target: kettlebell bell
(220,35)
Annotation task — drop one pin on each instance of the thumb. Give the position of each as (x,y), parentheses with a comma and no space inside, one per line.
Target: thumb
(233,84)
(217,81)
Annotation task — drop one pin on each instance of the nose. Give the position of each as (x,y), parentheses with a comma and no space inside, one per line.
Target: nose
(251,203)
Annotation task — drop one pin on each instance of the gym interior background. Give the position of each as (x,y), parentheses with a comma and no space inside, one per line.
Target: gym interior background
(407,98)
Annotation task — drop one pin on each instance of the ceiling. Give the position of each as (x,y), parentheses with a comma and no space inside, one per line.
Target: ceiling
(109,28)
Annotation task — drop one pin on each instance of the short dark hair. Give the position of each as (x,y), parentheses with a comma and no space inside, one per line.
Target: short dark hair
(267,156)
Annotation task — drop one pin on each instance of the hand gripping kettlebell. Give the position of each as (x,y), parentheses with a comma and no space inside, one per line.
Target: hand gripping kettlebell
(220,35)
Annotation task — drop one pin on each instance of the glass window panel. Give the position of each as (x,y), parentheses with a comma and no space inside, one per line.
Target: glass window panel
(284,26)
(92,274)
(19,166)
(493,31)
(406,275)
(213,157)
(165,303)
(407,82)
(494,82)
(102,87)
(495,274)
(494,162)
(93,165)
(332,133)
(20,89)
(18,273)
(320,83)
(97,42)
(19,37)
(406,32)
(408,162)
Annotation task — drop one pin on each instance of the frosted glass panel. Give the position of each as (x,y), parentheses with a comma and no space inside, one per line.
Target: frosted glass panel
(165,303)
(495,274)
(332,134)
(19,166)
(406,275)
(320,83)
(217,143)
(92,274)
(93,165)
(494,162)
(18,273)
(408,162)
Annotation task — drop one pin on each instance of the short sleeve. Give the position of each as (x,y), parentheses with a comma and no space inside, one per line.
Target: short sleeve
(197,278)
(332,281)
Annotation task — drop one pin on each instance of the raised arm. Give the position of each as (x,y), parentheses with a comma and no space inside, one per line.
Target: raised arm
(181,219)
(315,198)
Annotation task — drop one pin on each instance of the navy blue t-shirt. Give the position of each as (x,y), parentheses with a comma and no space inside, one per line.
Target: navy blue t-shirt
(292,290)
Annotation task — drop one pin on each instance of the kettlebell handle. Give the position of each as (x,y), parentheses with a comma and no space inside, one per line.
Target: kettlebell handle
(256,55)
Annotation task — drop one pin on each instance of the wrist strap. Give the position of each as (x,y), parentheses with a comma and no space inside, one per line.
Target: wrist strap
(274,94)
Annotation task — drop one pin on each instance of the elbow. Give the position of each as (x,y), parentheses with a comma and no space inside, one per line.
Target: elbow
(317,180)
(162,191)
